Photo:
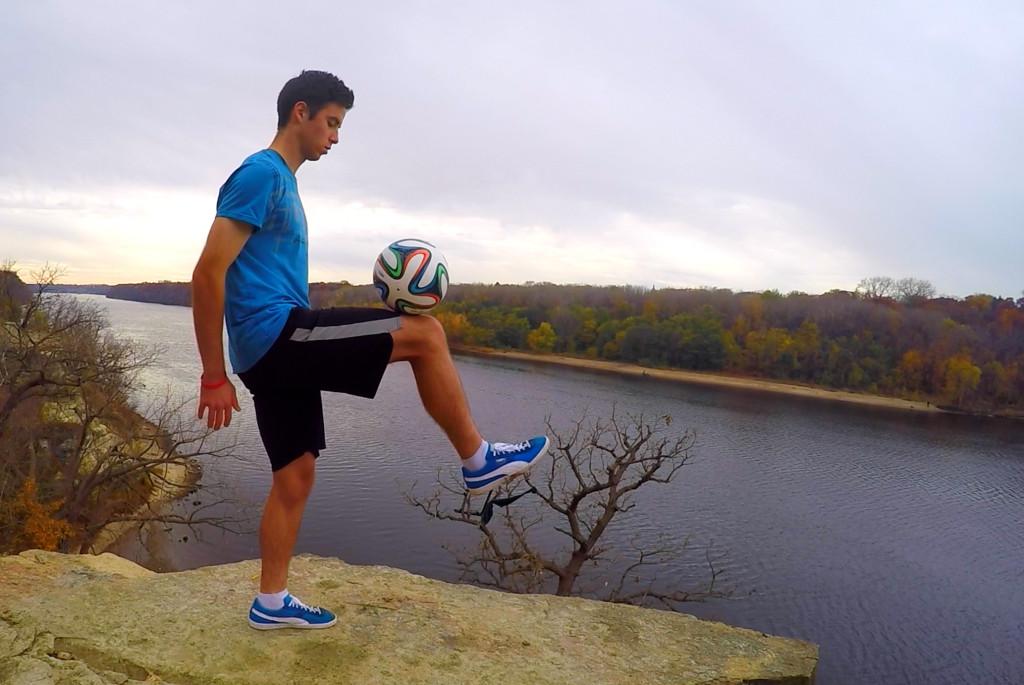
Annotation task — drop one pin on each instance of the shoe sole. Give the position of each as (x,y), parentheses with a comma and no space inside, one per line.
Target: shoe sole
(508,479)
(299,626)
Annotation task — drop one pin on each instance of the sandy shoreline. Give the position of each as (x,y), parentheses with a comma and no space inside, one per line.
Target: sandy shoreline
(681,376)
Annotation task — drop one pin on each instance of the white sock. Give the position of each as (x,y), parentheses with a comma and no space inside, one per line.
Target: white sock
(273,600)
(478,459)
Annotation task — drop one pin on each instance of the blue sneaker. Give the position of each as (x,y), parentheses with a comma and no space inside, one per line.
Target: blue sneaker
(294,614)
(504,462)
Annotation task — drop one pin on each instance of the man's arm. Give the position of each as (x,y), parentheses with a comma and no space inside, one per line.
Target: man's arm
(225,241)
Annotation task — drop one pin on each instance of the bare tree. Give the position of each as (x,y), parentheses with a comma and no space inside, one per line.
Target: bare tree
(877,288)
(906,290)
(910,290)
(140,465)
(76,452)
(593,473)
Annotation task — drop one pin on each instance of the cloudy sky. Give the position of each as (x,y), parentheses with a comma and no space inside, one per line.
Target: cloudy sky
(745,145)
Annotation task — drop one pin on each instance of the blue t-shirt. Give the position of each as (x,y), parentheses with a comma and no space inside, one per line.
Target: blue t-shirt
(270,276)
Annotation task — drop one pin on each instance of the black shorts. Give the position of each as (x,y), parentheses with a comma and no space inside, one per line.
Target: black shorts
(344,349)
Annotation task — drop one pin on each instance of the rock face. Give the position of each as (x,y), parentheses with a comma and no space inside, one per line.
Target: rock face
(99,620)
(13,290)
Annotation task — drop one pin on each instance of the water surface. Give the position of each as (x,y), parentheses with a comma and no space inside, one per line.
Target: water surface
(891,539)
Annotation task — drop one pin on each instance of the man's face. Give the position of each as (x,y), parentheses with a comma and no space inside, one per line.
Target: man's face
(320,132)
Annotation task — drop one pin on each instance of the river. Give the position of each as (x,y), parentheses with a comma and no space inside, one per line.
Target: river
(891,539)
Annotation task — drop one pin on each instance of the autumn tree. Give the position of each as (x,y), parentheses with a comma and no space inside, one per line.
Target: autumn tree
(911,370)
(962,378)
(542,338)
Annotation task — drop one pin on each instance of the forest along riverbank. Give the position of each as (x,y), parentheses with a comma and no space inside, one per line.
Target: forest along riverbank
(998,320)
(718,380)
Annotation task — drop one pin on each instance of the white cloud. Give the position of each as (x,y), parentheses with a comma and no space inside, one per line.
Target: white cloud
(113,234)
(855,140)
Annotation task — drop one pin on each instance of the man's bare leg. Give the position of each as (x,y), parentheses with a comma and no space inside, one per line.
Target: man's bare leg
(282,516)
(421,342)
(486,466)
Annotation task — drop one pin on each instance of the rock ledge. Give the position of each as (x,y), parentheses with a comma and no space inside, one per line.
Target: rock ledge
(102,620)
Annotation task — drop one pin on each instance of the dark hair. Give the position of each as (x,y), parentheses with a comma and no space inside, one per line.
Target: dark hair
(316,89)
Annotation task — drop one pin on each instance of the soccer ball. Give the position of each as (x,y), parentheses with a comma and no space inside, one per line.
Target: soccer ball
(411,276)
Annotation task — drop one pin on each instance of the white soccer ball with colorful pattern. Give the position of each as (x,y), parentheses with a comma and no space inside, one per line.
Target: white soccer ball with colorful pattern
(411,276)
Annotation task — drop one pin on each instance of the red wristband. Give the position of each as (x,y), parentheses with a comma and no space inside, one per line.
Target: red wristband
(211,386)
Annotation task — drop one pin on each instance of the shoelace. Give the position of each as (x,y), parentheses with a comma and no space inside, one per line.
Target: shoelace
(510,448)
(299,604)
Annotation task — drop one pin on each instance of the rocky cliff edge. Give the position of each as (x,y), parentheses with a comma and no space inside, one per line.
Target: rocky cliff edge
(101,620)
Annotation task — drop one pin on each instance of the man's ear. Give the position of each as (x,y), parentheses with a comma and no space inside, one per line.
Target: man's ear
(301,111)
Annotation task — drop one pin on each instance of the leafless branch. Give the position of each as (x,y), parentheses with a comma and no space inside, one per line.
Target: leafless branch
(68,424)
(596,467)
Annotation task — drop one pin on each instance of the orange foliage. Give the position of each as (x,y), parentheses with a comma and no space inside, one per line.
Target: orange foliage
(39,529)
(1008,319)
(911,369)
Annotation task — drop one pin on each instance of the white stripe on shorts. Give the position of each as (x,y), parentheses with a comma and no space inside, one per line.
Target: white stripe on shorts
(348,330)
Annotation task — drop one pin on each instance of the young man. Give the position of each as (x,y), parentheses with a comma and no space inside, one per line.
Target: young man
(253,273)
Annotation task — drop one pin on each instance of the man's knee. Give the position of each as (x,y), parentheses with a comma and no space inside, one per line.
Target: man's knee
(419,336)
(433,333)
(294,482)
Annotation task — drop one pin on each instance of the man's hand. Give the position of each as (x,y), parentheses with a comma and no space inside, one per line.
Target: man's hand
(225,242)
(219,401)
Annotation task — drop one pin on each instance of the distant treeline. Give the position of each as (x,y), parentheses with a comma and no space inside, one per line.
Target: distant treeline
(162,292)
(889,337)
(165,292)
(91,289)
